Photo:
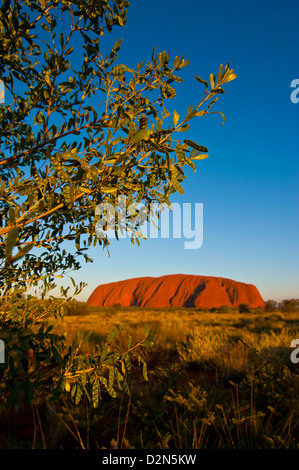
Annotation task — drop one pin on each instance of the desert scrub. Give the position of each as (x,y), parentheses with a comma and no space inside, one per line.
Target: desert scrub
(195,401)
(273,394)
(190,417)
(271,346)
(204,344)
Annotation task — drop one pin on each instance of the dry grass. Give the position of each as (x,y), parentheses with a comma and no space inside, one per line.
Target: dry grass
(202,333)
(216,380)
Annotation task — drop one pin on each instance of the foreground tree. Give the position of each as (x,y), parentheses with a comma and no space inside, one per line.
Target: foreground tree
(78,129)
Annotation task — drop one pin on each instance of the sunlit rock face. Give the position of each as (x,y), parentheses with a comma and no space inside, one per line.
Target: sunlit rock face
(176,290)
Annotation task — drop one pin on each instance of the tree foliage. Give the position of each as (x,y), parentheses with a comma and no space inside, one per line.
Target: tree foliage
(39,359)
(271,305)
(289,305)
(78,129)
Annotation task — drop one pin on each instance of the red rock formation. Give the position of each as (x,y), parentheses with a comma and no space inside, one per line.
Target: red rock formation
(176,290)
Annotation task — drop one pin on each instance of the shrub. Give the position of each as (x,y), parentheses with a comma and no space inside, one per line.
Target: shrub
(224,309)
(244,308)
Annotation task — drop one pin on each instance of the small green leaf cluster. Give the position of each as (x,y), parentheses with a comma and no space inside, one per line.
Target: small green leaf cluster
(39,364)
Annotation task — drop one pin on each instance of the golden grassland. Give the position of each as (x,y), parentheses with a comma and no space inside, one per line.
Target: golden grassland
(216,380)
(206,334)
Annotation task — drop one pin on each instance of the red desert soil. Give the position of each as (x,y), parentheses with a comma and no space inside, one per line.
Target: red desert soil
(176,290)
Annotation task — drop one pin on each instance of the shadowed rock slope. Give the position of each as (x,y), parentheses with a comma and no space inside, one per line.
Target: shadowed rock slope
(176,290)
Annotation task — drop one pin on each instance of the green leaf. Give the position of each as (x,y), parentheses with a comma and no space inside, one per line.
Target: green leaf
(83,378)
(109,384)
(106,189)
(95,392)
(111,377)
(56,354)
(178,188)
(79,336)
(212,80)
(78,394)
(151,338)
(119,379)
(219,73)
(112,336)
(23,251)
(86,337)
(219,112)
(190,113)
(11,241)
(217,90)
(226,70)
(59,388)
(11,214)
(84,190)
(176,62)
(183,128)
(229,77)
(190,109)
(47,80)
(144,371)
(213,102)
(202,113)
(173,78)
(191,164)
(199,157)
(147,344)
(175,118)
(141,135)
(180,155)
(200,80)
(194,145)
(184,63)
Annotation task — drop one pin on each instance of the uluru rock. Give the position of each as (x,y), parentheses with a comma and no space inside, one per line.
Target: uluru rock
(176,290)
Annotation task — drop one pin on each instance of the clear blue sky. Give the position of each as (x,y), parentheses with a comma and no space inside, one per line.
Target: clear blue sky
(249,184)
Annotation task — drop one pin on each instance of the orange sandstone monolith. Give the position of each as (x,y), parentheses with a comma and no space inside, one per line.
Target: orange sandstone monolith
(177,290)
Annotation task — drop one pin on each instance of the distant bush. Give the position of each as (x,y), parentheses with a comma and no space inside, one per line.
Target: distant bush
(224,309)
(77,308)
(289,305)
(117,306)
(271,305)
(244,308)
